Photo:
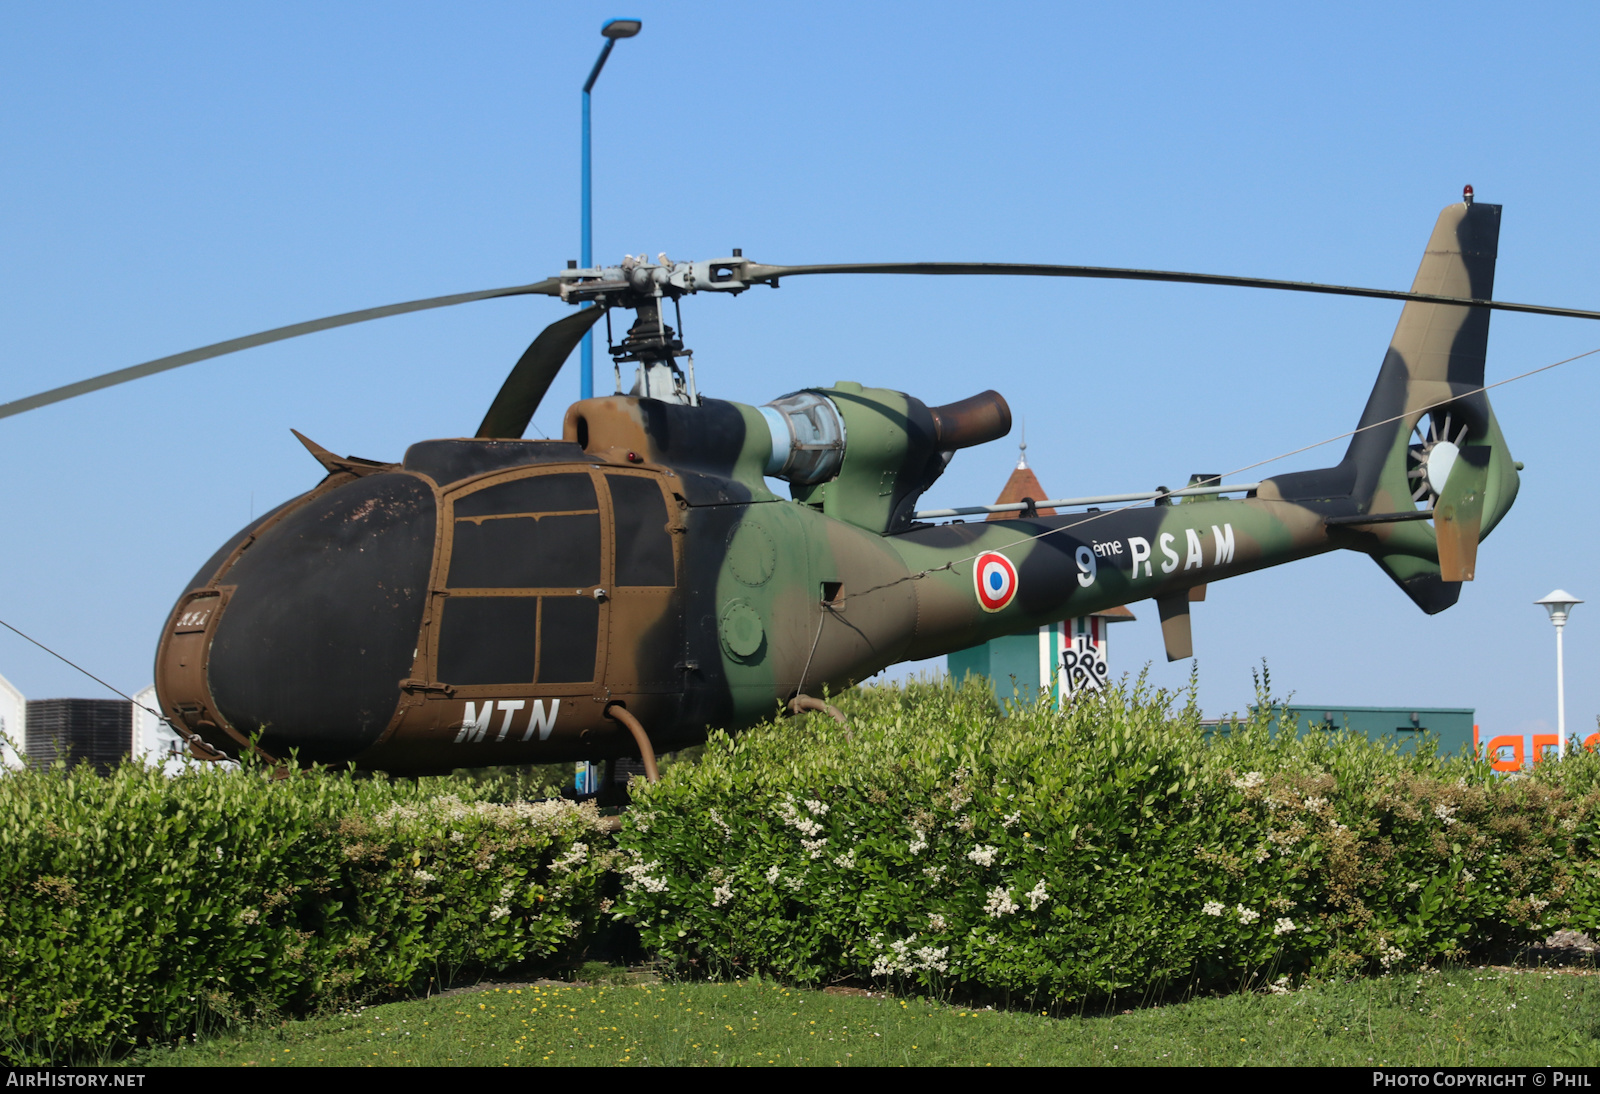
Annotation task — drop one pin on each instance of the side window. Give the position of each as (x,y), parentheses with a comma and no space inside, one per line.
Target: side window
(535,533)
(644,546)
(489,639)
(569,630)
(536,543)
(539,494)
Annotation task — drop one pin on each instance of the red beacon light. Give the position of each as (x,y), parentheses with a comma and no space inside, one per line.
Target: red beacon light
(1466,193)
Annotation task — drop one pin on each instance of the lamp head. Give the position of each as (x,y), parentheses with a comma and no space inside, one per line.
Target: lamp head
(621,28)
(1558,604)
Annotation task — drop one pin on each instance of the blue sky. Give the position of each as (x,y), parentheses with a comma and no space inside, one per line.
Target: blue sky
(172,175)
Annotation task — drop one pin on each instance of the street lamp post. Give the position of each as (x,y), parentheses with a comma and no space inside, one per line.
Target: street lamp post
(588,775)
(1558,604)
(612,30)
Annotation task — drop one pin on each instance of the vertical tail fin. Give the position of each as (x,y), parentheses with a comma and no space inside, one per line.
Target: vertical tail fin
(1436,356)
(1426,410)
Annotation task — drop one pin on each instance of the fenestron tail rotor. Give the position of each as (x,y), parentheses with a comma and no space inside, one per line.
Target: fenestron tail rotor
(1434,454)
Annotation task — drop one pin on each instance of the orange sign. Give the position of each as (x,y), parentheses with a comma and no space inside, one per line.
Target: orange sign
(1544,744)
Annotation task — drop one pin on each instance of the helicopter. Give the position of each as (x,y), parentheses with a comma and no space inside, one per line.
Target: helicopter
(626,588)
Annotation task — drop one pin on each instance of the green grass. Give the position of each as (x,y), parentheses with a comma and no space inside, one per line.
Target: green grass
(1455,1017)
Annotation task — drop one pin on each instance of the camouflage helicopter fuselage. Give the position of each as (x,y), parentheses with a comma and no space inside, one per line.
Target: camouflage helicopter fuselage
(494,601)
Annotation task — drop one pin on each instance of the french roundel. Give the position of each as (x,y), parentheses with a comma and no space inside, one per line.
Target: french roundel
(996,579)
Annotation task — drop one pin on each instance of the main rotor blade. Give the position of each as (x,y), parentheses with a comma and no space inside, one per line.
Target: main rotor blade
(548,287)
(756,271)
(513,408)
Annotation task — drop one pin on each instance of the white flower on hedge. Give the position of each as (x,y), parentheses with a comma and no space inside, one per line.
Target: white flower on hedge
(639,876)
(1284,926)
(1389,954)
(934,959)
(1213,907)
(818,808)
(499,911)
(1037,896)
(721,895)
(578,853)
(1263,853)
(895,959)
(1247,915)
(900,958)
(846,861)
(936,922)
(457,837)
(1008,821)
(1280,986)
(1316,805)
(773,874)
(933,873)
(250,916)
(1250,781)
(1000,902)
(716,819)
(983,854)
(814,847)
(796,819)
(1446,813)
(1468,876)
(919,841)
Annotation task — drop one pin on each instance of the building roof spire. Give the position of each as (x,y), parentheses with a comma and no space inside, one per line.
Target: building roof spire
(1022,448)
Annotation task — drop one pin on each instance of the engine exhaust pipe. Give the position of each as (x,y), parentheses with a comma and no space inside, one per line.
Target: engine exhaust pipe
(978,420)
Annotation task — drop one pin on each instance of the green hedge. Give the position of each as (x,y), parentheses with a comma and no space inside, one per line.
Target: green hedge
(932,844)
(1109,848)
(138,907)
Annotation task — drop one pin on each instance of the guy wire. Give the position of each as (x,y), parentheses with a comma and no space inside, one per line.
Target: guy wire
(191,738)
(83,670)
(821,619)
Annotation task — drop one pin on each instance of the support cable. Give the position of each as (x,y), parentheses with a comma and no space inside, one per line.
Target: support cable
(192,739)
